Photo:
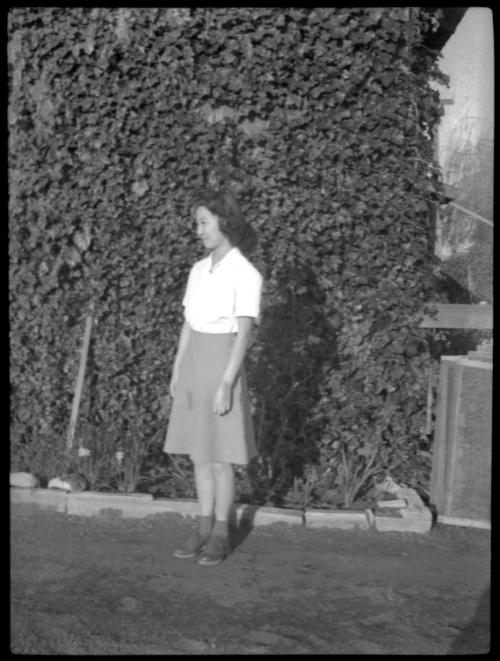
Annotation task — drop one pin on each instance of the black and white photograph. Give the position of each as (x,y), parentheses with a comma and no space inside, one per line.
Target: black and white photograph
(250,262)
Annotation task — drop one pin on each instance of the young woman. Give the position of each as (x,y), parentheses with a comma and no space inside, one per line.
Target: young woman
(210,417)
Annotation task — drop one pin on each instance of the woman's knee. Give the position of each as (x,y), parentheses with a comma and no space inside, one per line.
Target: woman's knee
(221,467)
(204,468)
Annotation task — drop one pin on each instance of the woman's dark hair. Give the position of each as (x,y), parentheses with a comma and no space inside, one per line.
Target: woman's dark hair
(232,223)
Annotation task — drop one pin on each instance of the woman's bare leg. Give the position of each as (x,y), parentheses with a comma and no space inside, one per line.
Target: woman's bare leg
(218,545)
(223,476)
(205,488)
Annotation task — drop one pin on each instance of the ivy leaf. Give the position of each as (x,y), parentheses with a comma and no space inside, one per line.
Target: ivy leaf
(253,129)
(140,188)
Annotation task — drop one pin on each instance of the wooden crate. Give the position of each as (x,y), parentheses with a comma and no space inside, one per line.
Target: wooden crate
(461,468)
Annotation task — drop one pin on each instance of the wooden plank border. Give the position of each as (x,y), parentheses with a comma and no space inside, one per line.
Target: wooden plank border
(456,315)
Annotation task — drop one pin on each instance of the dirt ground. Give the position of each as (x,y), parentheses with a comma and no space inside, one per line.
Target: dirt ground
(104,585)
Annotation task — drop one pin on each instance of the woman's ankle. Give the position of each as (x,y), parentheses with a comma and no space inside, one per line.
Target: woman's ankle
(206,523)
(220,528)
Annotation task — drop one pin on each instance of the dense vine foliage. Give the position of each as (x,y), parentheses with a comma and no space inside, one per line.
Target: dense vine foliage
(321,120)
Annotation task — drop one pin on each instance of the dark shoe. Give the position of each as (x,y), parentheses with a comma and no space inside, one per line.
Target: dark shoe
(194,544)
(216,549)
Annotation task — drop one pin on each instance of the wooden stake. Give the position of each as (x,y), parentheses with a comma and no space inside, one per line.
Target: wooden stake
(428,417)
(79,384)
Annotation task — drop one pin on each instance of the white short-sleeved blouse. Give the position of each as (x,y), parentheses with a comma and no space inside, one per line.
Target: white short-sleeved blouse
(216,296)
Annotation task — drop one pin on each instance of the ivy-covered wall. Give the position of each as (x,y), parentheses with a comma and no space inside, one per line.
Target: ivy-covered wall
(321,120)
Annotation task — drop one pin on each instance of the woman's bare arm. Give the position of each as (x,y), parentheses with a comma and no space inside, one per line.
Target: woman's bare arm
(222,401)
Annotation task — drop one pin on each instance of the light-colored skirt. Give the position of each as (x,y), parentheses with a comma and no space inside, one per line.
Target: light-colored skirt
(193,427)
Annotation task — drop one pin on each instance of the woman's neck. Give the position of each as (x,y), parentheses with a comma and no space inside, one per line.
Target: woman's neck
(220,252)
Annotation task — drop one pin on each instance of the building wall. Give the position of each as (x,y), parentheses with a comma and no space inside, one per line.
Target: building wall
(464,242)
(468,58)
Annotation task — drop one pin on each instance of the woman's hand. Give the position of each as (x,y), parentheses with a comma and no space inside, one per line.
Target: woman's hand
(222,400)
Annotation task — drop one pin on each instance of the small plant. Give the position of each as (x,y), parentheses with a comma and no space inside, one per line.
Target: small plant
(301,495)
(91,464)
(354,474)
(128,460)
(174,480)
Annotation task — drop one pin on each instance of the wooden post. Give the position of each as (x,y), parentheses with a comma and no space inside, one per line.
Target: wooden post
(79,384)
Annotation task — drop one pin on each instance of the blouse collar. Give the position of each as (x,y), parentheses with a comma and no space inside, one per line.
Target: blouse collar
(231,253)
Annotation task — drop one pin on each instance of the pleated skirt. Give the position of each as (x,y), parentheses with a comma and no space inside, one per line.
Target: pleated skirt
(193,426)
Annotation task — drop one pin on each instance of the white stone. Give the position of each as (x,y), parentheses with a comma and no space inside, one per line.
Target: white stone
(411,497)
(416,517)
(23,479)
(68,483)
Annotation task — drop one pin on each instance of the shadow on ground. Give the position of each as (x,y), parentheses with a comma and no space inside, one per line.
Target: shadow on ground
(477,629)
(242,528)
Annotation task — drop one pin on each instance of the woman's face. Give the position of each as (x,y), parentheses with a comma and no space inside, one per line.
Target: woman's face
(207,228)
